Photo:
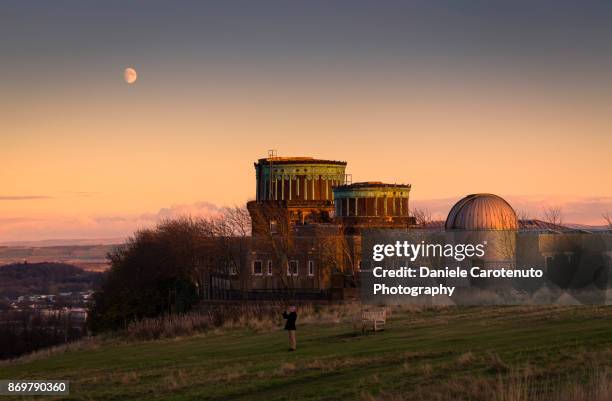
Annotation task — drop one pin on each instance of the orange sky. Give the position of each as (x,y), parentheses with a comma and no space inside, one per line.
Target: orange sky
(136,152)
(86,155)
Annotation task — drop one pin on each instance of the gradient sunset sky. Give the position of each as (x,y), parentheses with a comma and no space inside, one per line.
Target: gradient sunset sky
(513,98)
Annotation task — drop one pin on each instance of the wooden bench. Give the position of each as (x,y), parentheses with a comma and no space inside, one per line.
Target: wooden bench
(374,319)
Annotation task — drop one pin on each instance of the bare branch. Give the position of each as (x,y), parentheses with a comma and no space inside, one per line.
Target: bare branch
(422,216)
(238,220)
(523,214)
(608,218)
(553,215)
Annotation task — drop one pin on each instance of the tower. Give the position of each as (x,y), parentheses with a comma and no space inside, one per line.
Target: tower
(294,191)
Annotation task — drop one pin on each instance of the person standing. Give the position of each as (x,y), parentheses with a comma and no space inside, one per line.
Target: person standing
(291,317)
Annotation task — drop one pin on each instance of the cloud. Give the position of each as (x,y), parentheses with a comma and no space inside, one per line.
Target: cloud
(76,194)
(198,209)
(13,220)
(195,209)
(24,197)
(577,210)
(98,226)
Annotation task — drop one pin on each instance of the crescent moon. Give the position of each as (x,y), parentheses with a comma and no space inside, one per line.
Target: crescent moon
(130,75)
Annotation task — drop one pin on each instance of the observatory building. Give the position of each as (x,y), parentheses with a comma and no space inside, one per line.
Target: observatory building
(485,218)
(298,179)
(372,204)
(298,188)
(307,220)
(481,212)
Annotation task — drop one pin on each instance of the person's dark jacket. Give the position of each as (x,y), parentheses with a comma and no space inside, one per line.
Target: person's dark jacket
(291,318)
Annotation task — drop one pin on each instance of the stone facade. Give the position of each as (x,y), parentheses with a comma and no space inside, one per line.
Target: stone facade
(306,219)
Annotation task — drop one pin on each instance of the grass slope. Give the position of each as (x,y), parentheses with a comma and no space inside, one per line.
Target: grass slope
(451,353)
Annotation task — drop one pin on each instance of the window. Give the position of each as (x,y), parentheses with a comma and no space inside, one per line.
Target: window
(311,267)
(233,269)
(273,227)
(292,269)
(269,267)
(257,267)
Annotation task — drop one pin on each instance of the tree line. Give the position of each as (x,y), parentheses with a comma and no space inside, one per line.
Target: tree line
(163,270)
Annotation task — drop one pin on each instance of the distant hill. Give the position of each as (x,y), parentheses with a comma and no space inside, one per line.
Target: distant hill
(64,242)
(79,255)
(44,278)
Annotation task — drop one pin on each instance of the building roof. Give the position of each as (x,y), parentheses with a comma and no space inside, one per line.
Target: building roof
(537,225)
(372,184)
(298,160)
(481,212)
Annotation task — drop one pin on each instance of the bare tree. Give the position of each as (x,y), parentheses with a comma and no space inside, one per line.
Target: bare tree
(330,255)
(272,229)
(238,221)
(339,252)
(523,214)
(608,218)
(422,216)
(230,232)
(553,215)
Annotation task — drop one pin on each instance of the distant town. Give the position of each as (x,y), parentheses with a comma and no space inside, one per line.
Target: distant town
(43,304)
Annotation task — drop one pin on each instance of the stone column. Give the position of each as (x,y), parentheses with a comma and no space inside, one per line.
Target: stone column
(275,188)
(326,188)
(313,187)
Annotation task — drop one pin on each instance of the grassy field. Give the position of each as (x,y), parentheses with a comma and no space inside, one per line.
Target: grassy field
(506,354)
